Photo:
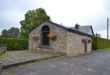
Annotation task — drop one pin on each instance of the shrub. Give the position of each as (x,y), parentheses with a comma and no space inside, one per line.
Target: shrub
(35,37)
(100,43)
(52,36)
(15,44)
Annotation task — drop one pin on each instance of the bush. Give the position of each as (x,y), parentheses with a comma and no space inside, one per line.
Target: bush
(15,44)
(100,43)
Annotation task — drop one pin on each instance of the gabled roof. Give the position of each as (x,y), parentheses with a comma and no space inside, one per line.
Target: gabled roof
(85,29)
(67,29)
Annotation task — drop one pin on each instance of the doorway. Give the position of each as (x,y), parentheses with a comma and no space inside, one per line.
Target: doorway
(44,32)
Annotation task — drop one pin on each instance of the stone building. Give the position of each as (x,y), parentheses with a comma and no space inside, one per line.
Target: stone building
(50,36)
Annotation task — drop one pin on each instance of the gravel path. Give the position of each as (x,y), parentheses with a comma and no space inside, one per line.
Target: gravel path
(18,56)
(97,63)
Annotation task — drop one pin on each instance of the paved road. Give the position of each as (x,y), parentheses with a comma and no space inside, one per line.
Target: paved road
(97,63)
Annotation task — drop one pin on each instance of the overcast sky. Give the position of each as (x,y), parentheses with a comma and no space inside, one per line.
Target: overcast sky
(66,12)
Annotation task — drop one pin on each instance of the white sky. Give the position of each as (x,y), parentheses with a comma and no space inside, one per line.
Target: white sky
(66,12)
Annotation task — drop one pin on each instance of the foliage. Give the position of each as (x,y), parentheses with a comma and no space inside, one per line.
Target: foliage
(86,40)
(15,44)
(32,19)
(100,43)
(4,33)
(52,36)
(35,37)
(89,41)
(11,33)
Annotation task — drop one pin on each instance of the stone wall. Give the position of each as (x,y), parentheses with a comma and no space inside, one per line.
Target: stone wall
(57,45)
(66,42)
(3,48)
(75,45)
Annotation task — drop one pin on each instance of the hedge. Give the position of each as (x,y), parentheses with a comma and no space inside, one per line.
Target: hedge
(100,43)
(15,44)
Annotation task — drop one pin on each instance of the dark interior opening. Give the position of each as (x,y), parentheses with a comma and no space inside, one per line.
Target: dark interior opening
(85,47)
(45,32)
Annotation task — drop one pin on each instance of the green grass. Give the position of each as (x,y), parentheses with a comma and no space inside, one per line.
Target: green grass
(103,49)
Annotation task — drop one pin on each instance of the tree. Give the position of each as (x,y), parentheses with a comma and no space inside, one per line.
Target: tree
(32,19)
(4,33)
(11,33)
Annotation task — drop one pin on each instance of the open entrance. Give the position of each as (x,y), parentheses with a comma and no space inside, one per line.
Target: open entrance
(45,31)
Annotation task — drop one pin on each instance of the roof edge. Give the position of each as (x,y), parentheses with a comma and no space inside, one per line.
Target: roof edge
(67,29)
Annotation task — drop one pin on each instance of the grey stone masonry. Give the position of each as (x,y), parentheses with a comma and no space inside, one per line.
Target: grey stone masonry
(3,48)
(70,43)
(57,45)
